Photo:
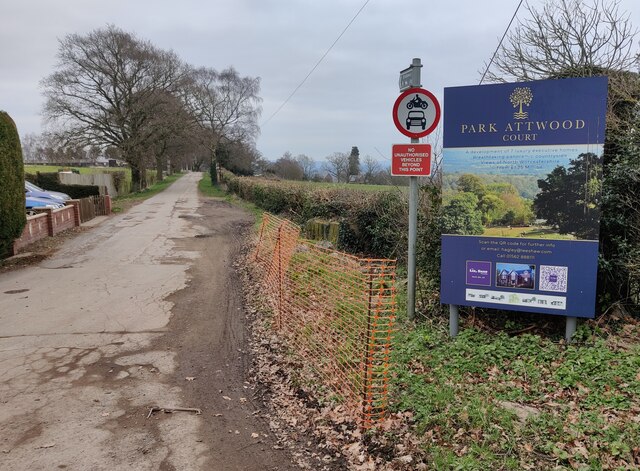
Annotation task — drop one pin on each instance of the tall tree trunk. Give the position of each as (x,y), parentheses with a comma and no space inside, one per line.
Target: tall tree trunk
(213,170)
(159,168)
(138,177)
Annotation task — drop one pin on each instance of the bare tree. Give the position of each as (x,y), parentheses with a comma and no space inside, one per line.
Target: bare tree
(371,168)
(198,155)
(105,92)
(381,177)
(171,127)
(239,157)
(50,147)
(569,37)
(576,38)
(337,165)
(307,164)
(30,143)
(288,168)
(225,105)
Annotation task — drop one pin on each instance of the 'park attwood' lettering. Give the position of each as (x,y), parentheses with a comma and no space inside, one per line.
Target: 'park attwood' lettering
(523,126)
(523,131)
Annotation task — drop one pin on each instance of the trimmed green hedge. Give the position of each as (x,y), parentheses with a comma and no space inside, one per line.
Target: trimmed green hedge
(372,223)
(51,182)
(12,207)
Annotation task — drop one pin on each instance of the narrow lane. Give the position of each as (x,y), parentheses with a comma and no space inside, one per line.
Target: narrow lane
(86,348)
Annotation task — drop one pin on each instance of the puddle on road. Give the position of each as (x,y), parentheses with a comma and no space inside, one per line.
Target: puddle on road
(16,291)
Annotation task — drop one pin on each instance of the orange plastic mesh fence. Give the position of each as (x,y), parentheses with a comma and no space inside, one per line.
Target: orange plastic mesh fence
(337,312)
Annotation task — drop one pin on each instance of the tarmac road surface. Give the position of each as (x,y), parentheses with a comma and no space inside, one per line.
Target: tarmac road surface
(141,311)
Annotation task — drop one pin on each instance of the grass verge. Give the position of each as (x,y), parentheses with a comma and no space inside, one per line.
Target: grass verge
(494,401)
(122,202)
(216,191)
(209,189)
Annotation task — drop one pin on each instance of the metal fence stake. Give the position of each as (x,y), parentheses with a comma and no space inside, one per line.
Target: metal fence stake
(279,249)
(367,352)
(264,221)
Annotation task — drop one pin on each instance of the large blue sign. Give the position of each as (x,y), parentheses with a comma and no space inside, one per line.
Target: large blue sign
(547,112)
(521,195)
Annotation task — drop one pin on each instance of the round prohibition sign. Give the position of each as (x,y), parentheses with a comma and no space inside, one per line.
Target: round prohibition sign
(416,112)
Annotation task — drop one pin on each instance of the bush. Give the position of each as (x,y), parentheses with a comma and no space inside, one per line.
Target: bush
(123,186)
(619,273)
(152,178)
(12,202)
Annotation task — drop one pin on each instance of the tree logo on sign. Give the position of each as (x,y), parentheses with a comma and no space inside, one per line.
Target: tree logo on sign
(521,96)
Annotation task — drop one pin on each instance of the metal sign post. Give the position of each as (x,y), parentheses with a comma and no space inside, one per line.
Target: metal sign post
(570,327)
(454,320)
(416,113)
(413,237)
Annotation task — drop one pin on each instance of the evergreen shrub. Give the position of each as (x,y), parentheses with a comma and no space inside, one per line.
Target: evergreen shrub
(12,200)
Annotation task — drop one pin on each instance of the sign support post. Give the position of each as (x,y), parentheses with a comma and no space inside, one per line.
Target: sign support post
(570,329)
(454,317)
(416,65)
(413,237)
(416,113)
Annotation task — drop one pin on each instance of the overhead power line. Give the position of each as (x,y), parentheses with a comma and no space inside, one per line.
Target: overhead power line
(317,64)
(500,43)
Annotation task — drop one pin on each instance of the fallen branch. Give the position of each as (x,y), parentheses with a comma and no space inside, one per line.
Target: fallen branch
(170,410)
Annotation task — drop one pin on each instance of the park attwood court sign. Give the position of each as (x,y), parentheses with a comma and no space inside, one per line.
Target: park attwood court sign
(524,161)
(519,116)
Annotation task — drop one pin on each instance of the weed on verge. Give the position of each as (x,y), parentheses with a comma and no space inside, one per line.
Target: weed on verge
(493,401)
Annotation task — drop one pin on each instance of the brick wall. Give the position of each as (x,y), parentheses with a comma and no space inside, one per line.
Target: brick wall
(48,223)
(37,228)
(63,219)
(53,221)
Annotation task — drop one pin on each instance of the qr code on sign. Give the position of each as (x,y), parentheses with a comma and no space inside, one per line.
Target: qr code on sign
(553,278)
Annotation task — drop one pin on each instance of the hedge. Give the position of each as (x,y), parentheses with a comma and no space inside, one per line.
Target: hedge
(372,223)
(12,201)
(50,181)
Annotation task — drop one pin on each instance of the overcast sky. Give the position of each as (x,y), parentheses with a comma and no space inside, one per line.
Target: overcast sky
(346,102)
